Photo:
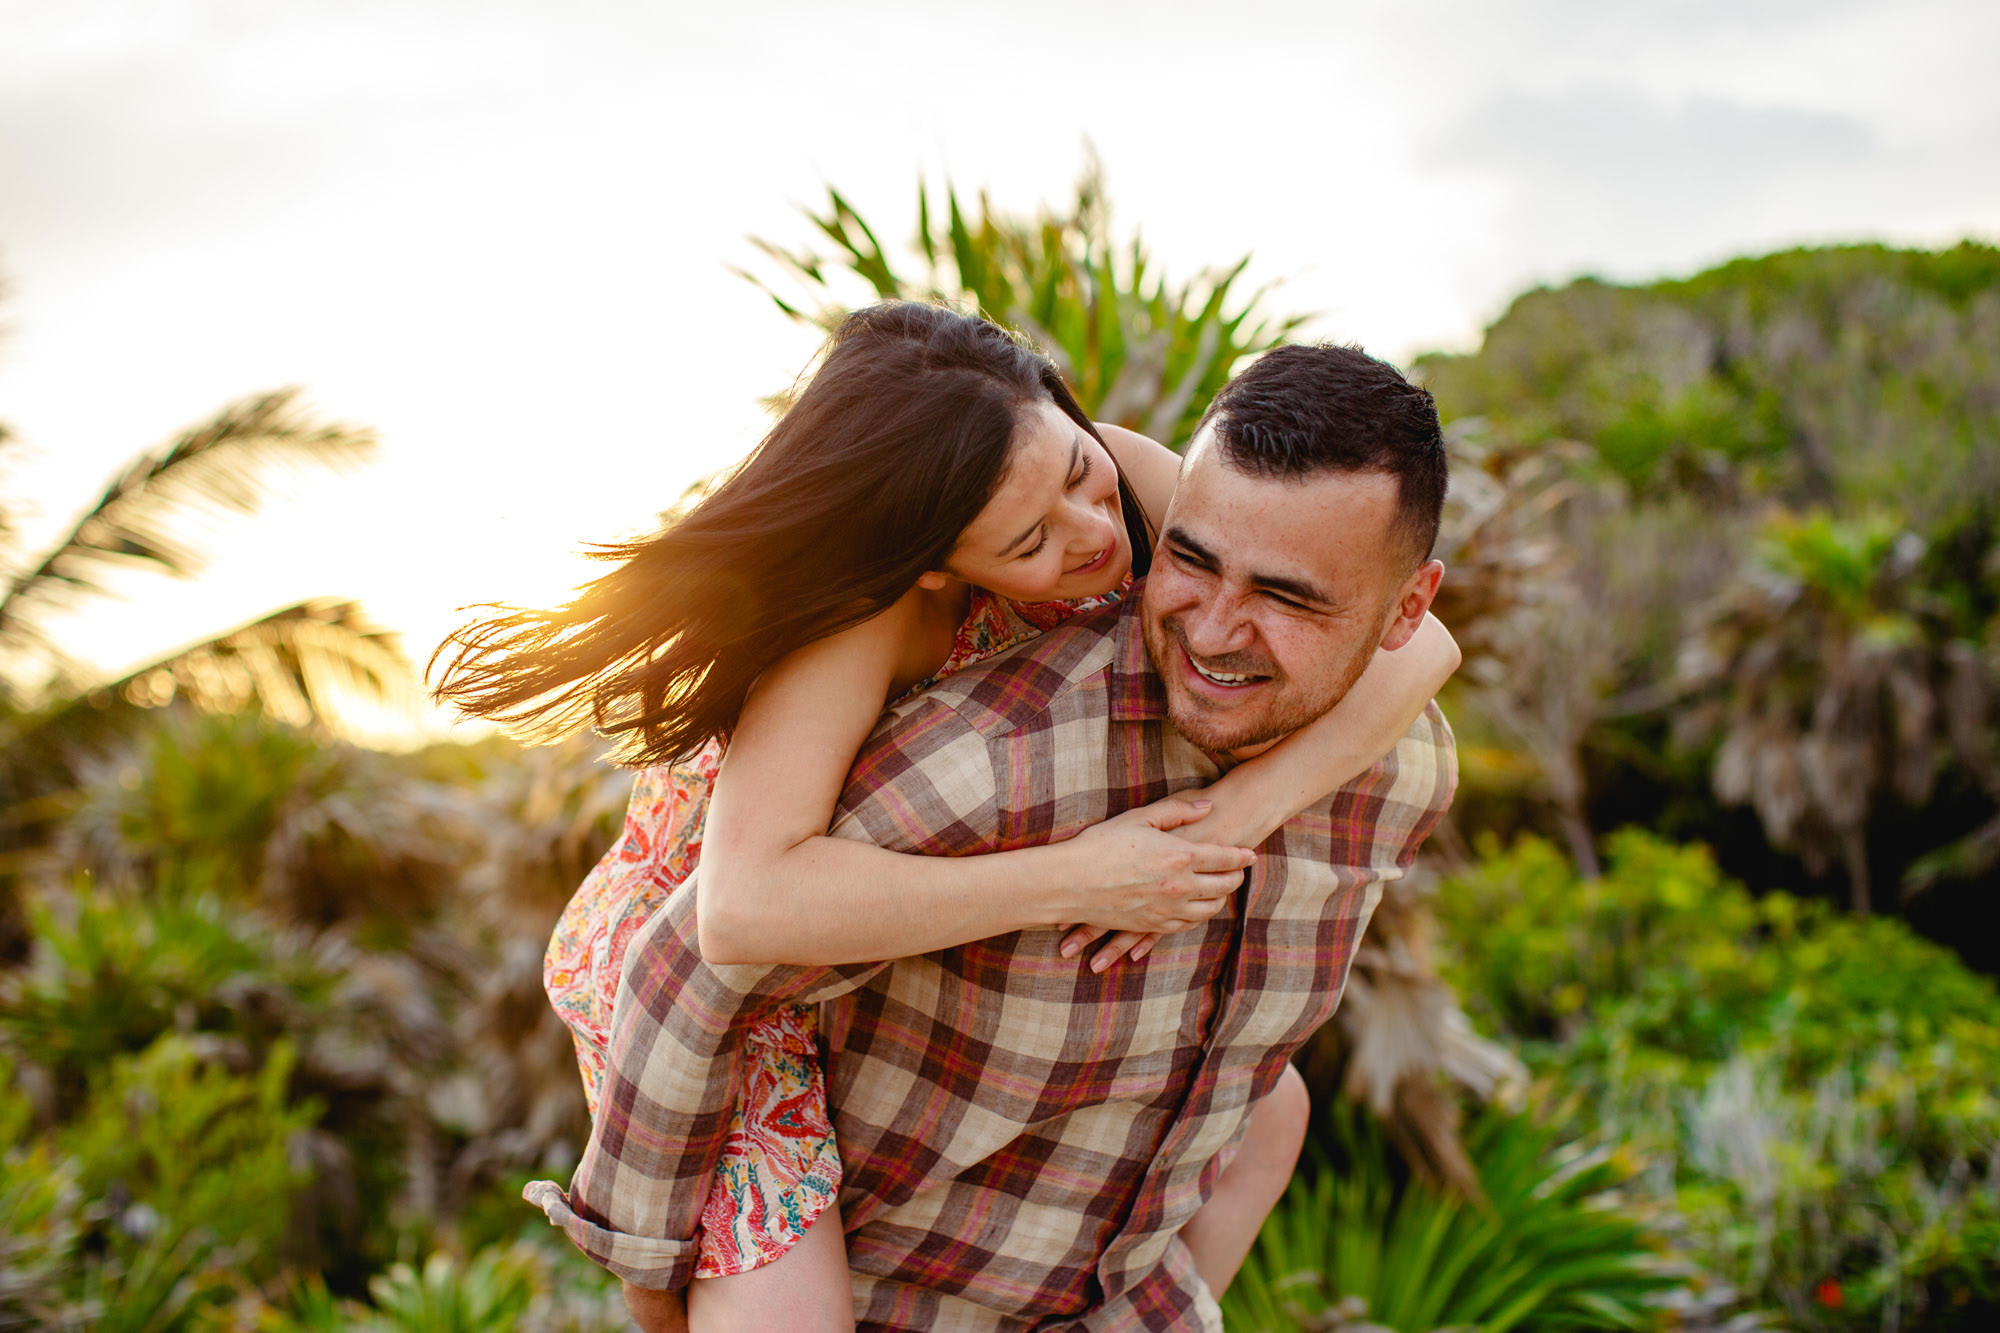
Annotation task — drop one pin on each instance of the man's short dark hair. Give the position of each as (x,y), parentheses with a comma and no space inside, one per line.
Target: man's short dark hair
(1303,409)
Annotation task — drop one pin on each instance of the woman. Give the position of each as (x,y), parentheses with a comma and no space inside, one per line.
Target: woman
(933,495)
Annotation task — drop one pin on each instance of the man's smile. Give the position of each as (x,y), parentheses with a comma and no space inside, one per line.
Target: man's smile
(1212,681)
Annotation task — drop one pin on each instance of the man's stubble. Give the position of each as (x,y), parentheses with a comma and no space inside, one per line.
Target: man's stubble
(1297,707)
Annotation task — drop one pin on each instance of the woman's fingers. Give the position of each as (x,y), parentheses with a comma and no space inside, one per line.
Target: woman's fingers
(1173,811)
(1212,886)
(1211,856)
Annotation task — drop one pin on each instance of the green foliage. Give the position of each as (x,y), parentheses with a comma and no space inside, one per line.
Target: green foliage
(1816,1090)
(314,831)
(1551,1249)
(1823,428)
(1857,375)
(40,1214)
(112,972)
(156,1200)
(1841,561)
(201,789)
(517,1288)
(194,1147)
(1137,349)
(486,1295)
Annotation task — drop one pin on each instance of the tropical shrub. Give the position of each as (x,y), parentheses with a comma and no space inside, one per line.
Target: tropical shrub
(157,1200)
(518,1288)
(1137,349)
(1816,1092)
(1552,1247)
(1817,432)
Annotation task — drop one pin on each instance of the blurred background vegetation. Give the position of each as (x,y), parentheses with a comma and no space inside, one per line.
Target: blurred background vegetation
(1689,1022)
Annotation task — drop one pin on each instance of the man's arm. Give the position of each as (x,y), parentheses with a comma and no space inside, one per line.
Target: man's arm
(923,783)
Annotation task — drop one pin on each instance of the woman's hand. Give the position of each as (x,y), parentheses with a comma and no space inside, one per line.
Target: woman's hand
(1142,881)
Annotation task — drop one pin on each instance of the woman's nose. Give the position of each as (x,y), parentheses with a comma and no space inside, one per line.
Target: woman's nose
(1094,528)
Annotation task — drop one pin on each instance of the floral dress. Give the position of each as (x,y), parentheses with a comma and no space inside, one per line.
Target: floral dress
(779,1168)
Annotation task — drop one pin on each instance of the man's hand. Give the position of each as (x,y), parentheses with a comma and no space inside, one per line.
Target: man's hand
(656,1311)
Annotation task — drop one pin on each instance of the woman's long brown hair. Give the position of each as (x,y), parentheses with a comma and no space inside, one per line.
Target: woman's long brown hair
(893,447)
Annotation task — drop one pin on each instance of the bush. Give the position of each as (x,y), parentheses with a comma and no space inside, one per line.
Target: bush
(1551,1249)
(1815,1091)
(156,1200)
(517,1288)
(111,972)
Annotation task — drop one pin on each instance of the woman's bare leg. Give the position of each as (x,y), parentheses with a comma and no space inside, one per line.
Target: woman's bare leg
(1221,1233)
(804,1289)
(656,1311)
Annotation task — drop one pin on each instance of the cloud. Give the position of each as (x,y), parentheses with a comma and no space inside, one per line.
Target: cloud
(1614,140)
(1605,180)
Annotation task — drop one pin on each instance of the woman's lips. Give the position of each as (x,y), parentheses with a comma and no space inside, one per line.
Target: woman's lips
(1096,562)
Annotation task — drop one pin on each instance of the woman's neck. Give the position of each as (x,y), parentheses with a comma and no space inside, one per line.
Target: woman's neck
(940,612)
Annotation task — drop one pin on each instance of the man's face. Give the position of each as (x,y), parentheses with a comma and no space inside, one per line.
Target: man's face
(1269,596)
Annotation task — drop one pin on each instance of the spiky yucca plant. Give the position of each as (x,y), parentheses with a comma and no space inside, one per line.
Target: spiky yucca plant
(1139,350)
(1549,1249)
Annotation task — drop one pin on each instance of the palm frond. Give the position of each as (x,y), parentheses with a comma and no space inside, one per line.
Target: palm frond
(316,662)
(1137,349)
(140,518)
(6,515)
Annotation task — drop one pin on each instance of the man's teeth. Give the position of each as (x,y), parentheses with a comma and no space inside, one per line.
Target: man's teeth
(1219,677)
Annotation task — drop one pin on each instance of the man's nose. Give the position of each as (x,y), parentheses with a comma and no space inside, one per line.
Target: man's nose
(1217,625)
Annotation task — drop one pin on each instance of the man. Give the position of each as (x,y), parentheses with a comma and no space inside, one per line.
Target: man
(1024,1138)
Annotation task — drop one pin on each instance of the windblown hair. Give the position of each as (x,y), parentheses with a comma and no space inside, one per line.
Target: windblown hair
(892,448)
(1303,409)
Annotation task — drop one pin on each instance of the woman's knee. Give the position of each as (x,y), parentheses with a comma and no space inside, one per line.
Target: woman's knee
(1285,1114)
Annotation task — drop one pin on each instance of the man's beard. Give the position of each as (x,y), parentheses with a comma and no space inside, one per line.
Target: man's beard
(1289,707)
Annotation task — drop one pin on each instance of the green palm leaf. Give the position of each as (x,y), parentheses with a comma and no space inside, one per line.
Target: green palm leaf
(1137,349)
(1546,1250)
(142,514)
(318,661)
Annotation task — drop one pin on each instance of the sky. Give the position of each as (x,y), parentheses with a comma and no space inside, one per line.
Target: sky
(504,235)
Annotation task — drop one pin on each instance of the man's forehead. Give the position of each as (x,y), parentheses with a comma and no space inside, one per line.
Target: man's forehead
(1363,505)
(1328,538)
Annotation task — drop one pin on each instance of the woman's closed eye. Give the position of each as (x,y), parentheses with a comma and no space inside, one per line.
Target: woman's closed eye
(1036,549)
(1083,473)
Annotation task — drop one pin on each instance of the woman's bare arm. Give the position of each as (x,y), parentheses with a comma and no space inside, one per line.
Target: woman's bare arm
(1258,795)
(1254,798)
(774,888)
(1148,467)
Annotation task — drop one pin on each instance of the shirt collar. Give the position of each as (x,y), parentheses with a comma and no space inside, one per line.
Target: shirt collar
(1136,692)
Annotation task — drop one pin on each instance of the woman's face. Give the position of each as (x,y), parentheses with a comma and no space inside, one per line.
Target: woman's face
(1053,529)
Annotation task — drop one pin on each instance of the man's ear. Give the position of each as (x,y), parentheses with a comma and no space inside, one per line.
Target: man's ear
(937,578)
(1412,602)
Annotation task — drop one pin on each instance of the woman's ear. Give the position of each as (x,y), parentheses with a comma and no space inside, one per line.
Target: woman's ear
(933,581)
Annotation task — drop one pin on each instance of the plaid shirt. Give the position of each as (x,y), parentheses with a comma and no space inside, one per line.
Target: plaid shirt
(1023,1138)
